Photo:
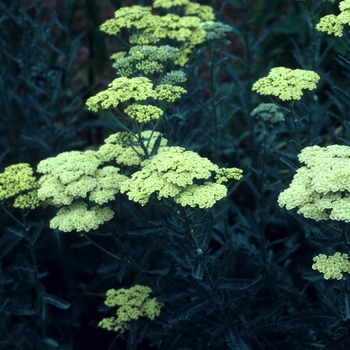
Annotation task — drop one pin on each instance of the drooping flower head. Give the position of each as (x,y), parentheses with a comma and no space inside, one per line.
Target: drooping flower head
(287,84)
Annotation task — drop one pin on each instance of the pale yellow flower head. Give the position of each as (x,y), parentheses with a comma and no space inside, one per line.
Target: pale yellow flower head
(74,175)
(332,266)
(287,84)
(131,304)
(334,25)
(178,174)
(77,216)
(204,12)
(143,113)
(120,90)
(18,181)
(136,16)
(320,190)
(167,4)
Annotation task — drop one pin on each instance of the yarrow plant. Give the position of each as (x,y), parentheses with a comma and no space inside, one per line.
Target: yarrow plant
(166,244)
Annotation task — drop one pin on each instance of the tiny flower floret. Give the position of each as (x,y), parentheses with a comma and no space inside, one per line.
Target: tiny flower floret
(131,304)
(287,84)
(332,266)
(320,190)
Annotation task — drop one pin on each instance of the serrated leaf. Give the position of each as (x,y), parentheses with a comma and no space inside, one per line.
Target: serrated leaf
(57,302)
(186,311)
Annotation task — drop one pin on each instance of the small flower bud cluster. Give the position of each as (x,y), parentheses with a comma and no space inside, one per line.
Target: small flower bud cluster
(268,112)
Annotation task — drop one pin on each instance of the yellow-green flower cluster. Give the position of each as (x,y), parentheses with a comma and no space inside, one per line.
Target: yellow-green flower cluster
(143,113)
(125,150)
(18,181)
(167,4)
(124,89)
(74,175)
(174,77)
(151,29)
(287,84)
(147,59)
(120,90)
(321,189)
(136,16)
(268,112)
(227,174)
(173,173)
(204,12)
(332,266)
(79,217)
(216,30)
(131,304)
(169,93)
(334,25)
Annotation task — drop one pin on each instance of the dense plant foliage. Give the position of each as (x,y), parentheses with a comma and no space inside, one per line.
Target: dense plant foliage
(194,196)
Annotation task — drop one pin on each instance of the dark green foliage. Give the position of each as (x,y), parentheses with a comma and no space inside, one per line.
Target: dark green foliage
(237,277)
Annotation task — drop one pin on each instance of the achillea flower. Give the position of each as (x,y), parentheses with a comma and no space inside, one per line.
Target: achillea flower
(334,25)
(227,174)
(176,173)
(330,24)
(320,190)
(120,90)
(147,59)
(204,12)
(143,113)
(18,181)
(167,4)
(169,93)
(74,175)
(268,112)
(136,16)
(216,30)
(174,77)
(131,304)
(287,84)
(78,217)
(332,266)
